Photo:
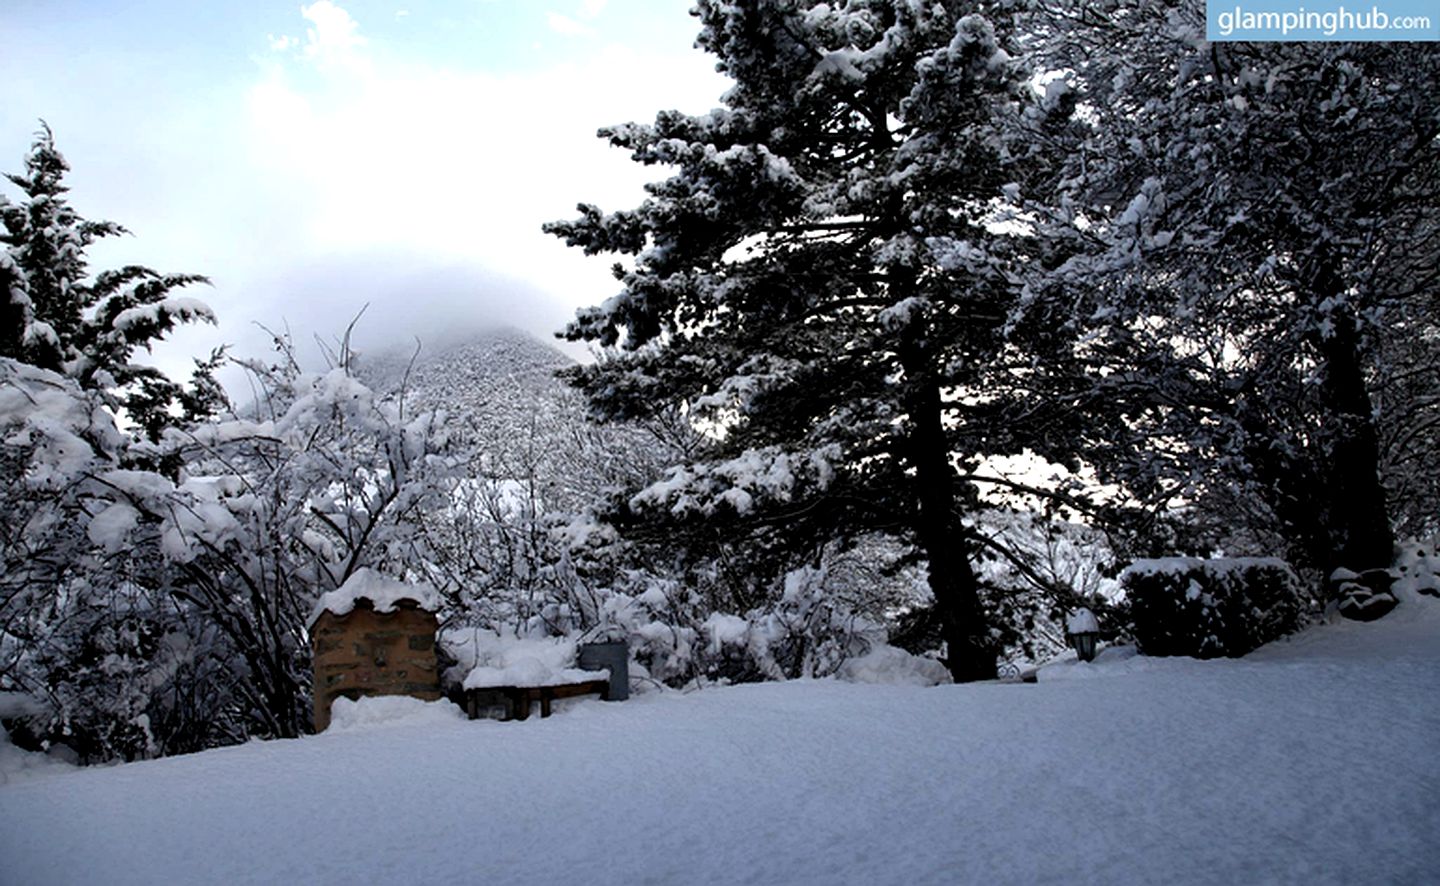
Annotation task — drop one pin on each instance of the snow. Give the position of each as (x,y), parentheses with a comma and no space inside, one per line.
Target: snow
(724,630)
(181,308)
(65,426)
(1082,621)
(1310,761)
(755,474)
(17,766)
(490,659)
(887,665)
(384,593)
(1168,565)
(110,529)
(1417,571)
(349,715)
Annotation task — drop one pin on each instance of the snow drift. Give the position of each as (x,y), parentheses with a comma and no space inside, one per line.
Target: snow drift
(1310,761)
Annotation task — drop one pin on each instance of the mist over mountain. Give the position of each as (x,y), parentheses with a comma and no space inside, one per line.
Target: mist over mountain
(470,374)
(530,432)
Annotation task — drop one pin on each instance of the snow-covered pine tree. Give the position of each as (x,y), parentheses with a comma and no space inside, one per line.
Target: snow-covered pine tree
(1245,206)
(79,624)
(821,285)
(60,318)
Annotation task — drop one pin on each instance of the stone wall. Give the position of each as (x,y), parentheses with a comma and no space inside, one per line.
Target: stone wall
(366,653)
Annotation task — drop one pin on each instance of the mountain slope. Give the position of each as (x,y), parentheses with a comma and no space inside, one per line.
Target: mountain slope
(472,374)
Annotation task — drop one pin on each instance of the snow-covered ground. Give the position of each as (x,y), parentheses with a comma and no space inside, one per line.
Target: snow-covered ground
(1315,760)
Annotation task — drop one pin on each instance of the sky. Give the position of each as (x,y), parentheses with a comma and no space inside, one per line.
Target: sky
(311,158)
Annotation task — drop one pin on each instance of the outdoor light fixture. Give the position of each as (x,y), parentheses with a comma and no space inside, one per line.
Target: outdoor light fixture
(1083,630)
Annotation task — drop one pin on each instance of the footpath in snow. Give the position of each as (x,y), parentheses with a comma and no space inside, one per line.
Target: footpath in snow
(1315,760)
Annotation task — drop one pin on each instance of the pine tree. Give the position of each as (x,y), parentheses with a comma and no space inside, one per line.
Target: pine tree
(822,284)
(1246,209)
(59,318)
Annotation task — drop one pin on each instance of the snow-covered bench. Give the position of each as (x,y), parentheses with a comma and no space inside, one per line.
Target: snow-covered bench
(512,674)
(518,700)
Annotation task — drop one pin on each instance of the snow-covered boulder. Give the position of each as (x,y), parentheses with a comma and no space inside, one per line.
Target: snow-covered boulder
(1366,596)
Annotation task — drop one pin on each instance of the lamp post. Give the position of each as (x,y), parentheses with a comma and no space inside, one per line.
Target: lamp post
(1083,630)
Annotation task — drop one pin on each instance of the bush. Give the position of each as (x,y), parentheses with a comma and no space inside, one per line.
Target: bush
(1211,608)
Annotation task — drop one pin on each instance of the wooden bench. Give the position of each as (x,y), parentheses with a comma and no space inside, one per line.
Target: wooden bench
(517,700)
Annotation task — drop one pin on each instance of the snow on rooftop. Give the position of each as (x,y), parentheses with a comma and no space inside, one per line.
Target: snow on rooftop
(384,594)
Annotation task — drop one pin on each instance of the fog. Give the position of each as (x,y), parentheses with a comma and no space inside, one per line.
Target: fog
(395,302)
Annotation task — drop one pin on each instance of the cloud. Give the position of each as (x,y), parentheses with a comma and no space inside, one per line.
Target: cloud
(563,24)
(309,176)
(575,26)
(456,167)
(334,37)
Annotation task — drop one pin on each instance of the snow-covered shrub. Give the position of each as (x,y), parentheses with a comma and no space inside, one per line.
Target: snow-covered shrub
(1036,567)
(1211,608)
(807,626)
(1417,570)
(320,478)
(661,623)
(806,631)
(809,631)
(98,672)
(77,635)
(151,613)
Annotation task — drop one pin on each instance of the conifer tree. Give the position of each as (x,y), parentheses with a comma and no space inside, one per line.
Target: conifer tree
(60,318)
(1259,220)
(822,284)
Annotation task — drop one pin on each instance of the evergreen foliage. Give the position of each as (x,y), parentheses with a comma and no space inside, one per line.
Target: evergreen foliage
(825,283)
(1211,608)
(1259,222)
(59,317)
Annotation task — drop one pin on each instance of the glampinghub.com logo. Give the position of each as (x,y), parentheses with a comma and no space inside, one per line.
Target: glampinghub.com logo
(1397,20)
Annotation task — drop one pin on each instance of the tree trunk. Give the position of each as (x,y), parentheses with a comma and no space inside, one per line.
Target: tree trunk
(971,654)
(1359,517)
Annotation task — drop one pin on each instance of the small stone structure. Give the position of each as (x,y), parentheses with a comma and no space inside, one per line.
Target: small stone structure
(374,636)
